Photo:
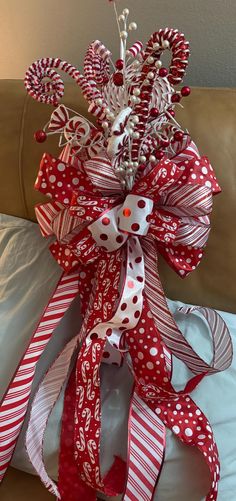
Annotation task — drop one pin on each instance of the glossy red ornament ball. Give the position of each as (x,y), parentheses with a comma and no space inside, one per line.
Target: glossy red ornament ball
(120,64)
(178,135)
(118,79)
(40,136)
(163,72)
(175,98)
(154,112)
(159,154)
(185,91)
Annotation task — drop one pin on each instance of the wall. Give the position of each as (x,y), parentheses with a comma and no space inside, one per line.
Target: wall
(30,29)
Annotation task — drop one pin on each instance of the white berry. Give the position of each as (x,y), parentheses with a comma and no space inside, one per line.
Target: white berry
(123,34)
(136,91)
(105,125)
(165,44)
(143,158)
(158,64)
(99,101)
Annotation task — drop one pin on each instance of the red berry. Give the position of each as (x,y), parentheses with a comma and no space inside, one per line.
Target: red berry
(159,154)
(154,112)
(118,79)
(171,112)
(142,167)
(175,98)
(163,72)
(120,64)
(185,91)
(40,136)
(178,135)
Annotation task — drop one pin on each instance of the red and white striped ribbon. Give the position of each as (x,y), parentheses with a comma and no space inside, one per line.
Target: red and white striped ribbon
(14,404)
(146,450)
(169,330)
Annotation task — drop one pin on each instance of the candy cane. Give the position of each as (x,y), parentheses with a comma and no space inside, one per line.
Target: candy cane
(106,309)
(111,267)
(96,63)
(97,410)
(98,304)
(80,444)
(52,92)
(103,267)
(135,49)
(95,349)
(90,393)
(87,470)
(91,447)
(80,394)
(87,415)
(159,41)
(96,110)
(96,380)
(97,476)
(85,366)
(175,41)
(106,285)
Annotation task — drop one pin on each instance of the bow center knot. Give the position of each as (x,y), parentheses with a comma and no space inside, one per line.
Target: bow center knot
(134,215)
(112,229)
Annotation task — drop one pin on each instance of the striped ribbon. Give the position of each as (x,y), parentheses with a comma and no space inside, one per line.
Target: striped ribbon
(15,401)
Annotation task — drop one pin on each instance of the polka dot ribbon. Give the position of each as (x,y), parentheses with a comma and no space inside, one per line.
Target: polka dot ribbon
(119,235)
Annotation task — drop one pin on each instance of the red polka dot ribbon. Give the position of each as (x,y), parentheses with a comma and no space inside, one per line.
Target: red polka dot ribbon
(115,237)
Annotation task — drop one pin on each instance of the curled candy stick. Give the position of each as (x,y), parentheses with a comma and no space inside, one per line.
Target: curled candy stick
(175,41)
(96,63)
(51,92)
(135,49)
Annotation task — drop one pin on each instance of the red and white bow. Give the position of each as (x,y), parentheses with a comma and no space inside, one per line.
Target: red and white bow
(110,239)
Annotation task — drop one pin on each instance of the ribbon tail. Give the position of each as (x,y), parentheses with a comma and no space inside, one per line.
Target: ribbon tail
(68,470)
(43,403)
(14,404)
(145,451)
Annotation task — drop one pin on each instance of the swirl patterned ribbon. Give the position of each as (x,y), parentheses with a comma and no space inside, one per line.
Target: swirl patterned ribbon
(118,235)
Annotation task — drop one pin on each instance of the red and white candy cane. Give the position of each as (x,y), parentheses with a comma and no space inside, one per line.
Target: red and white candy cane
(96,63)
(135,49)
(175,41)
(51,92)
(159,41)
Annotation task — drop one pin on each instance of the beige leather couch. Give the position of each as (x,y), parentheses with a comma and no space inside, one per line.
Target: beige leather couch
(210,116)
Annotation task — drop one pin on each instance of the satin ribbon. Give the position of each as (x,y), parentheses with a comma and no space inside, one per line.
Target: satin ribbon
(98,225)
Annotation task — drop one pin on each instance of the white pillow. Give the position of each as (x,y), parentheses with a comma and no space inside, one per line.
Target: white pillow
(28,275)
